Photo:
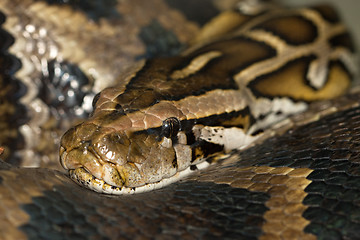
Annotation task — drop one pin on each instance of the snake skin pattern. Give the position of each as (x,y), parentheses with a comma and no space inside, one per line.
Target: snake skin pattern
(301,182)
(164,118)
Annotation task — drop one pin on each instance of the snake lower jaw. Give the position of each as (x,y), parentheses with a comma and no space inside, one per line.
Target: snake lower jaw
(84,178)
(87,180)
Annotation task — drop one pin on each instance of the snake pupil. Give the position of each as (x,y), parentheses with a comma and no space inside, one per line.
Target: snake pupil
(170,127)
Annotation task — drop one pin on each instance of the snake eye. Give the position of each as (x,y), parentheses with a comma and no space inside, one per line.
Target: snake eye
(95,99)
(170,127)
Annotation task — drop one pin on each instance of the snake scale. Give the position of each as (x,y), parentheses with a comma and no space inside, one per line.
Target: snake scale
(297,179)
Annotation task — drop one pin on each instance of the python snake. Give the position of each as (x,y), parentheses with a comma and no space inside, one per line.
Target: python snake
(221,94)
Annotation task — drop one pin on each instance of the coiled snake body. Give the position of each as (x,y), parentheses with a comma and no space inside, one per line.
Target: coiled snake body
(246,70)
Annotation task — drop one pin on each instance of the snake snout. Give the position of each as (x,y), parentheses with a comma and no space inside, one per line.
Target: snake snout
(98,151)
(112,148)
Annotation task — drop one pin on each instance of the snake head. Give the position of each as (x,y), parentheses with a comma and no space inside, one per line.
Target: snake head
(109,159)
(119,151)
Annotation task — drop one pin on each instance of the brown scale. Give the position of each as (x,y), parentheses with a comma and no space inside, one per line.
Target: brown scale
(285,83)
(328,13)
(306,31)
(152,83)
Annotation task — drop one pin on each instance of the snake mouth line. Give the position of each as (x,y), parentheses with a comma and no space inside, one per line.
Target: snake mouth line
(86,179)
